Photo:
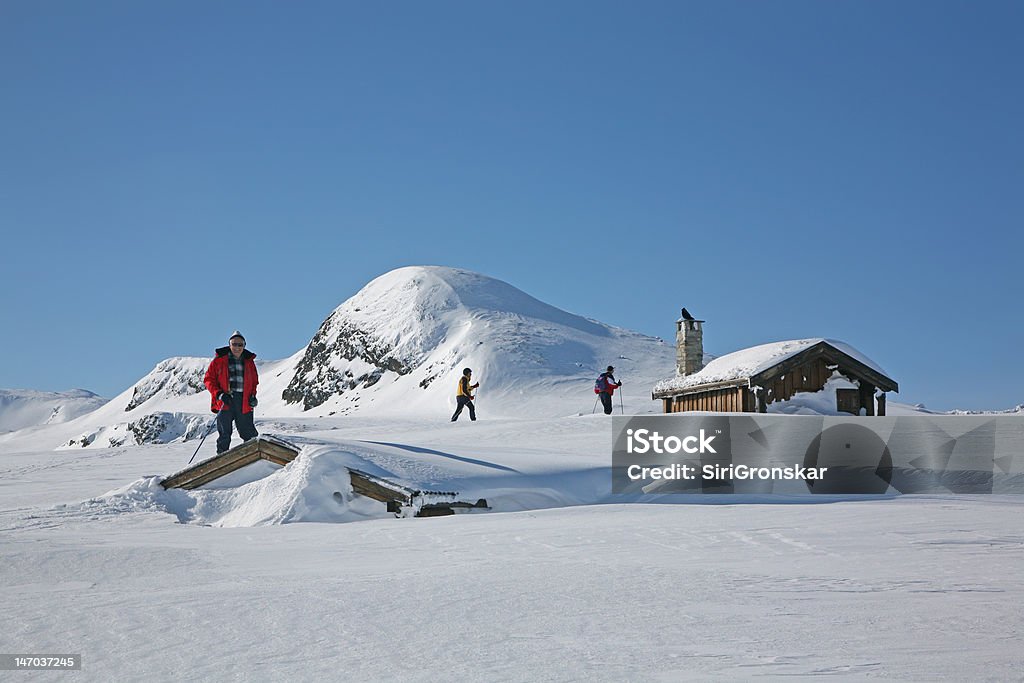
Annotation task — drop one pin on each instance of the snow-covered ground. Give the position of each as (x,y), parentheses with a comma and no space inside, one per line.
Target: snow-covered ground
(560,582)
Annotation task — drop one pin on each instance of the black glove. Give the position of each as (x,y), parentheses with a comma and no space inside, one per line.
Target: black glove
(224,398)
(253,402)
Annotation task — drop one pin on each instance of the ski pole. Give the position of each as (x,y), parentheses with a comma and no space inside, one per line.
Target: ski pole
(594,410)
(208,430)
(621,409)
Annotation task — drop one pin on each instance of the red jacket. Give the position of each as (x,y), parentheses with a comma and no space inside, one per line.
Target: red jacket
(217,382)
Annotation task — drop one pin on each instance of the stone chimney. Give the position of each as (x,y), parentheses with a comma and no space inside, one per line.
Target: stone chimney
(689,344)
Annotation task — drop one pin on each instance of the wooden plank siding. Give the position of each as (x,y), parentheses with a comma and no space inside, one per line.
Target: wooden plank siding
(809,377)
(819,372)
(727,400)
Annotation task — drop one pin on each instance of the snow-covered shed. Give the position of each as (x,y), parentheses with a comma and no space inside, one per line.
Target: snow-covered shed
(751,379)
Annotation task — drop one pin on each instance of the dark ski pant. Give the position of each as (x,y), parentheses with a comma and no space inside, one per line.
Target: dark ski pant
(464,402)
(606,401)
(233,413)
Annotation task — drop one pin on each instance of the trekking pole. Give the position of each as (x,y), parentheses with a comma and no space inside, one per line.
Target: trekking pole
(621,409)
(594,410)
(208,430)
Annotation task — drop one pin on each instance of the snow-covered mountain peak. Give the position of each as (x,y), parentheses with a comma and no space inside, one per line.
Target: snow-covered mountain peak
(439,289)
(416,325)
(410,308)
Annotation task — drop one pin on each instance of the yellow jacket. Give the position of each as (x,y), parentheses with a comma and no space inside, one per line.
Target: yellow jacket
(465,388)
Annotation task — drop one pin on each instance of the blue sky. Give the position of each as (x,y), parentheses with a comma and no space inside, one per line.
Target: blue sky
(851,169)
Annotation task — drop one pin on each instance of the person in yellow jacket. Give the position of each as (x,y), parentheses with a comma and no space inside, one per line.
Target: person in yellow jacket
(464,397)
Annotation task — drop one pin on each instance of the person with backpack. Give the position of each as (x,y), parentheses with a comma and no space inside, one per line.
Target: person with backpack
(464,397)
(605,387)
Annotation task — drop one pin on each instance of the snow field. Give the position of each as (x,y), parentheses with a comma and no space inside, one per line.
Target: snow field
(94,560)
(910,589)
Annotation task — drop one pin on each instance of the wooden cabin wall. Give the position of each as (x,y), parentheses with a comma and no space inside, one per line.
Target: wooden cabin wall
(809,377)
(747,402)
(729,400)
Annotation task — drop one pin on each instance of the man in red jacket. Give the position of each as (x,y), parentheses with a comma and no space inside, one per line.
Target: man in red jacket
(232,382)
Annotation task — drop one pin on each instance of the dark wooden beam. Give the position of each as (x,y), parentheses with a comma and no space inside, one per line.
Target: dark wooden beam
(379,488)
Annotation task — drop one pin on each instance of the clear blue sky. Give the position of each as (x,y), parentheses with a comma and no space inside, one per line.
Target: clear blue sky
(170,171)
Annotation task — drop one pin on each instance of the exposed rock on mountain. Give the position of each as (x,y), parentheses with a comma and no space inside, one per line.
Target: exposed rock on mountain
(172,377)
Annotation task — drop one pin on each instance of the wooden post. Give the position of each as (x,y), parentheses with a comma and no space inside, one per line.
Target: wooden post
(867,393)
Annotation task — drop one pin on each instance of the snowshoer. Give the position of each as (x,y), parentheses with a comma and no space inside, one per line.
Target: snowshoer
(232,380)
(605,387)
(464,397)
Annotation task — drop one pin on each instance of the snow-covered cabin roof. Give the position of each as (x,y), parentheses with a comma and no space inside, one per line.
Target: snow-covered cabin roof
(741,365)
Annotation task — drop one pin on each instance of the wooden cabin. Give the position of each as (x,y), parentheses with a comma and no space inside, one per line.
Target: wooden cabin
(751,379)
